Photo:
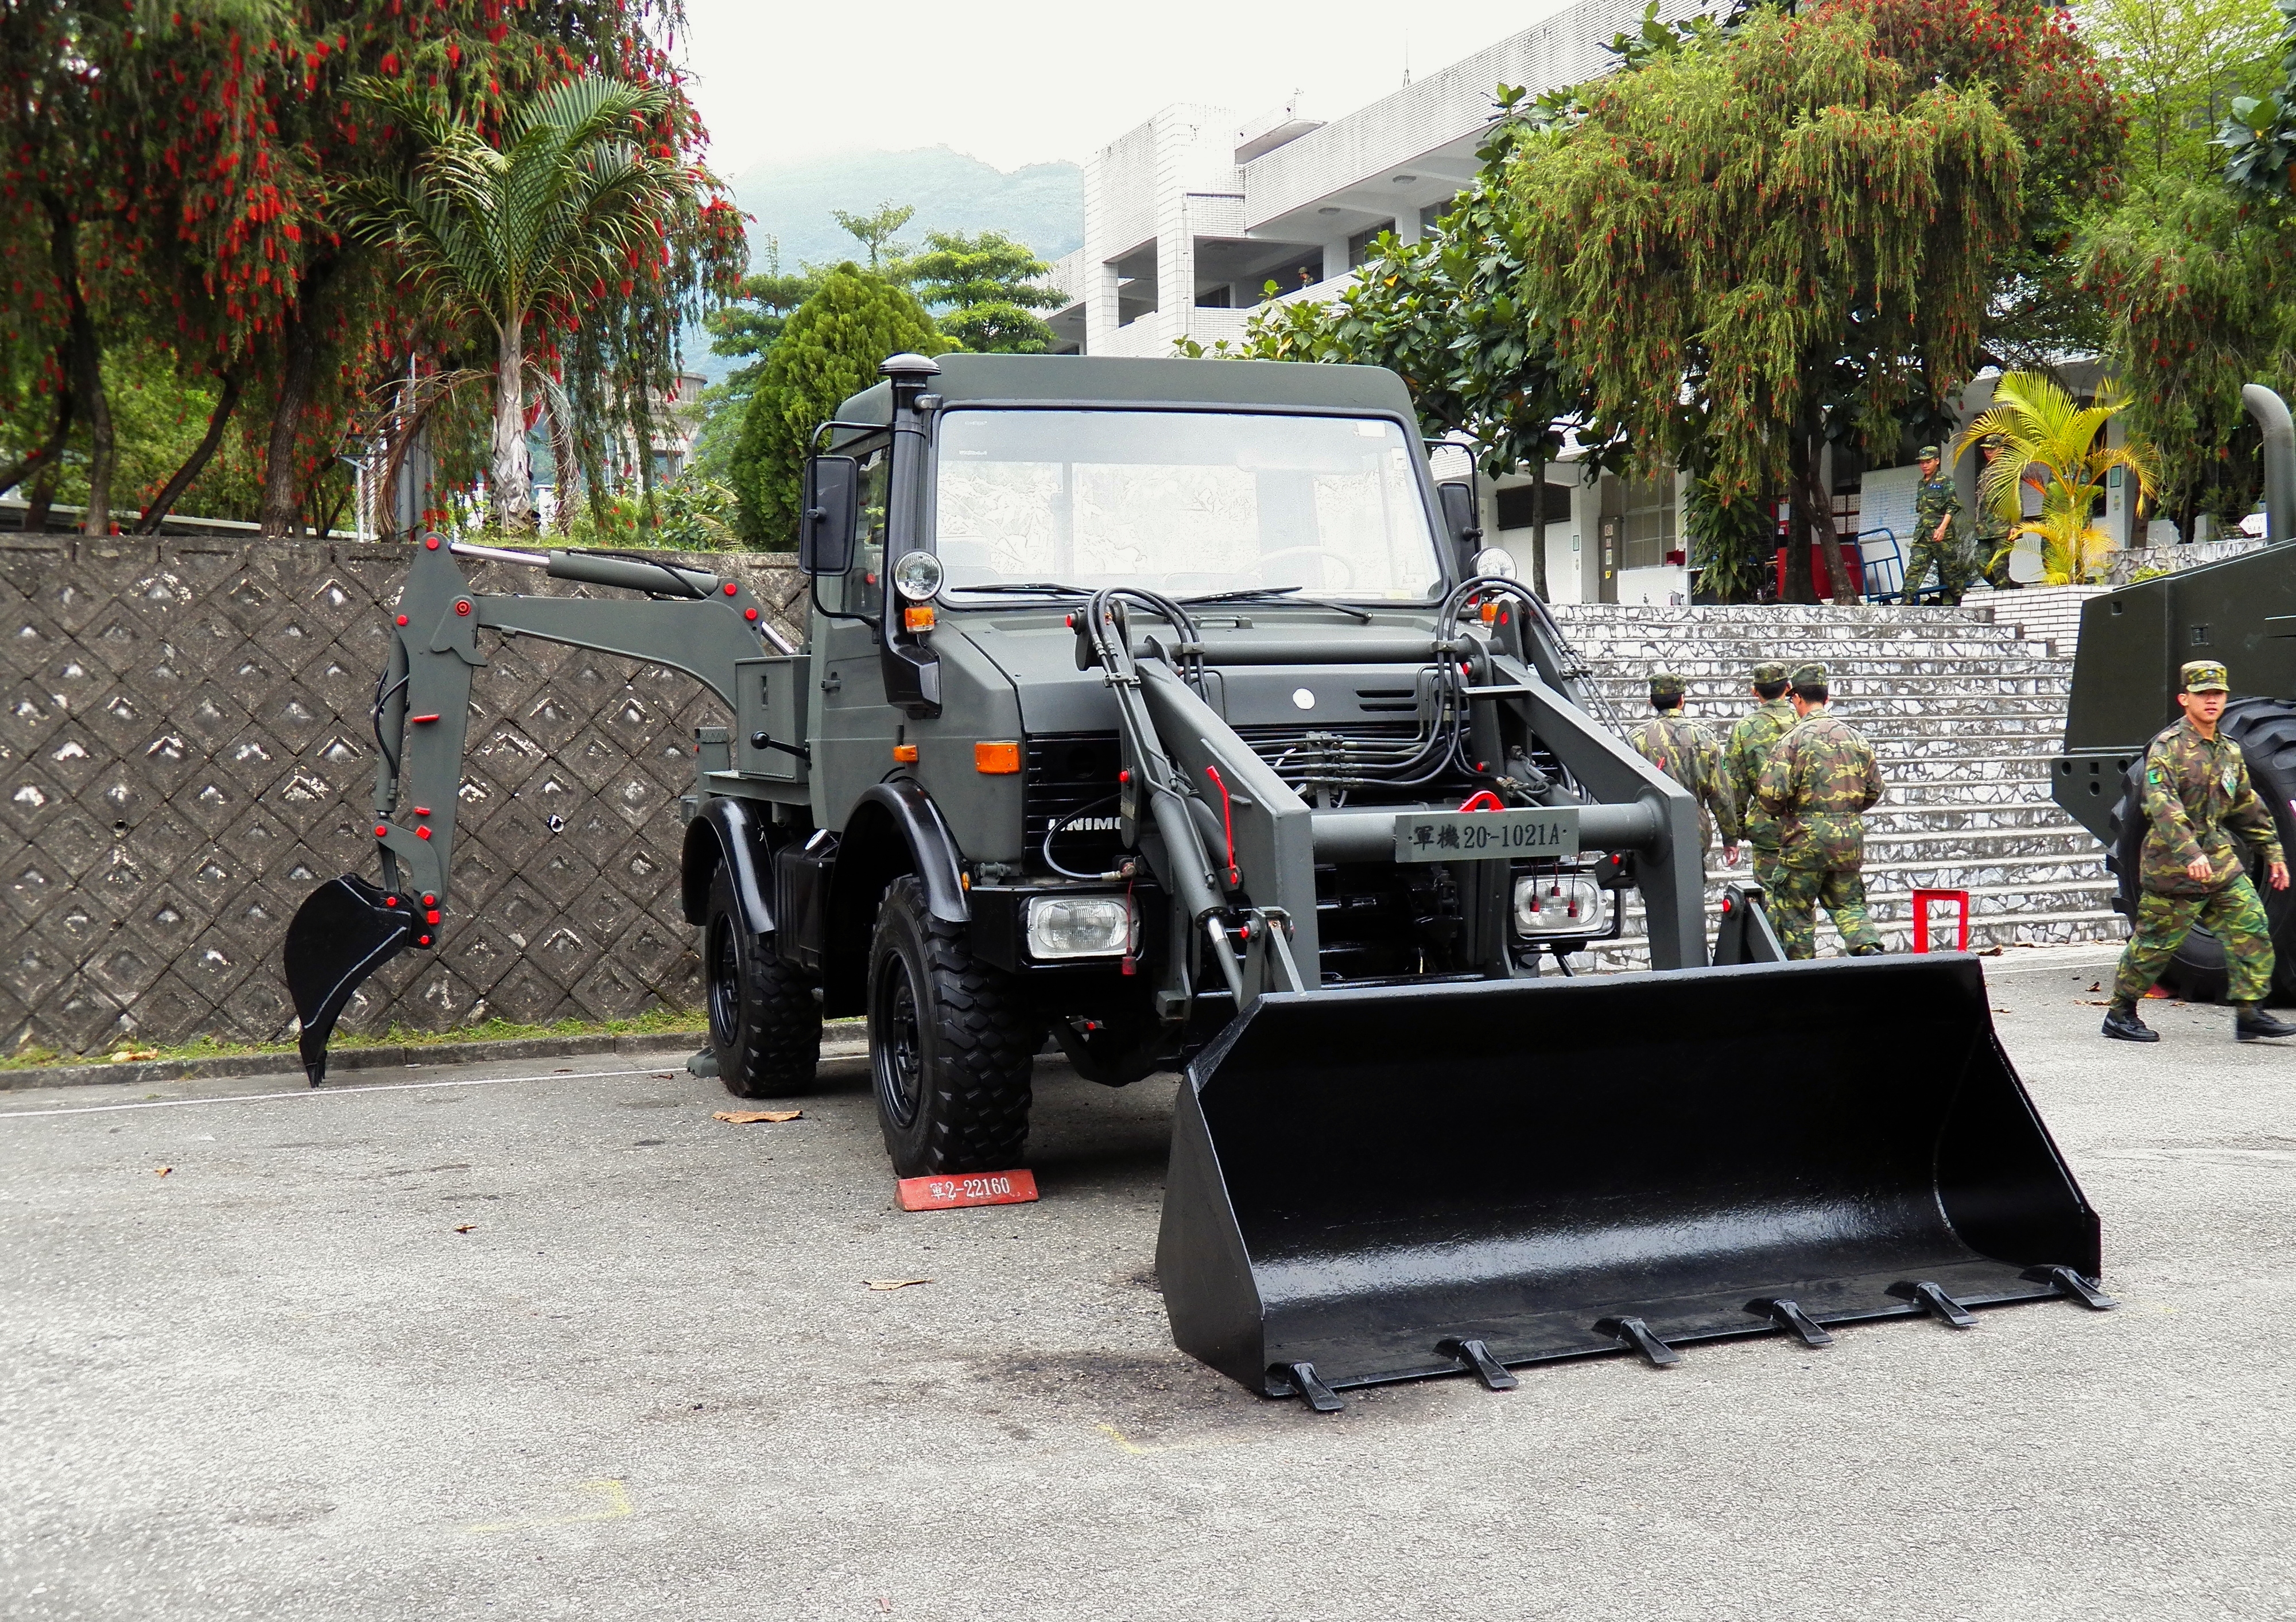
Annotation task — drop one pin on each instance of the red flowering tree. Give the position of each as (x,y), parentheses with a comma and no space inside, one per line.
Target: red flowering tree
(202,159)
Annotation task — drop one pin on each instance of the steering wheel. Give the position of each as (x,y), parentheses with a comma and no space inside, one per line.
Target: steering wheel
(1347,565)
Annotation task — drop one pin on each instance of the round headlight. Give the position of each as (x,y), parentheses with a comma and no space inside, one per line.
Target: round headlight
(1494,560)
(918,576)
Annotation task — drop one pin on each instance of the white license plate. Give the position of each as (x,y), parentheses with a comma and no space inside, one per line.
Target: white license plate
(1538,832)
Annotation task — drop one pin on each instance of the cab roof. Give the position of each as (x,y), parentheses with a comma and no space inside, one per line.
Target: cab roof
(1088,381)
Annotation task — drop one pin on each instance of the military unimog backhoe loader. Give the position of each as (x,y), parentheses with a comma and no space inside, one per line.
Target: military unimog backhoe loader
(1161,706)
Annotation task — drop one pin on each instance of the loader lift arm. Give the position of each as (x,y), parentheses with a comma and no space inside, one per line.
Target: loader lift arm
(350,928)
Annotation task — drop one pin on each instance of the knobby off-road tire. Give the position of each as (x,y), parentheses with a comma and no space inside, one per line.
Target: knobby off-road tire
(950,1045)
(2265,731)
(764,1024)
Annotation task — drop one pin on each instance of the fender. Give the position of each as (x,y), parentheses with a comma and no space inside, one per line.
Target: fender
(931,848)
(727,830)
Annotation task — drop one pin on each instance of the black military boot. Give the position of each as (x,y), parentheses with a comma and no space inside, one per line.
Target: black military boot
(2121,1024)
(2250,1023)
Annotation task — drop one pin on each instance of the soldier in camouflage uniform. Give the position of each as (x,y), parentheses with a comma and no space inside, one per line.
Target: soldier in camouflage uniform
(1992,536)
(2196,786)
(1686,752)
(1818,780)
(1743,759)
(1936,544)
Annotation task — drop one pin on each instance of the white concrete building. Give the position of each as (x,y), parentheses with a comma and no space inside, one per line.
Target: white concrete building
(1189,216)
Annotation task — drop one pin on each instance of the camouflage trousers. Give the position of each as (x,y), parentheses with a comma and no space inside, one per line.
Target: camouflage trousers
(2232,914)
(1796,894)
(1946,557)
(1763,860)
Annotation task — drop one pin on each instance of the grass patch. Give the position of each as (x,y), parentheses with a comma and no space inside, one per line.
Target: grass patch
(654,1022)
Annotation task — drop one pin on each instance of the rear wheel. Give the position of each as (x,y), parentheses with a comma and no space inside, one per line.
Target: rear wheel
(765,1025)
(2265,731)
(950,1045)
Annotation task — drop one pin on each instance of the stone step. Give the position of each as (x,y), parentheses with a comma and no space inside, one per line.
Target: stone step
(1918,723)
(2077,927)
(1892,816)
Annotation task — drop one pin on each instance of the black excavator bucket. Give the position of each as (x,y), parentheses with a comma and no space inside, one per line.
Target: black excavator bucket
(1390,1183)
(344,931)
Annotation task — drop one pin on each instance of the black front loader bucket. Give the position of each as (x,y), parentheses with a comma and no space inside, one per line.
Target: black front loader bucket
(344,931)
(1366,1181)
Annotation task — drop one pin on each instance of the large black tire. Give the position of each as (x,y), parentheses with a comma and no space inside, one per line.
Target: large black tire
(950,1045)
(765,1022)
(2265,731)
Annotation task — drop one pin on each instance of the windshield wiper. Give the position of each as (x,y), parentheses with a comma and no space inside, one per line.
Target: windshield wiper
(1289,593)
(1033,588)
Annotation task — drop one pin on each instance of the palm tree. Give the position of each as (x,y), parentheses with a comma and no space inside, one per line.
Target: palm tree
(2054,444)
(574,200)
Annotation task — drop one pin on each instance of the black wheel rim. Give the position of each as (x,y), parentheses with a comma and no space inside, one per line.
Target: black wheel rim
(724,962)
(896,1044)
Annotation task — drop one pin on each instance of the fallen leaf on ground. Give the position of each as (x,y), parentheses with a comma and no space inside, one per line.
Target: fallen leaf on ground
(1989,952)
(468,1227)
(2097,985)
(133,1055)
(162,1171)
(746,1118)
(564,1072)
(893,1283)
(2094,1001)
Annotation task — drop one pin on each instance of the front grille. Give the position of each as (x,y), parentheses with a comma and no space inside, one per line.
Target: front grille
(1069,774)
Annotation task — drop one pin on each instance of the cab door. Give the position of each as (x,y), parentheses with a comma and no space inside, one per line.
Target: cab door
(854,729)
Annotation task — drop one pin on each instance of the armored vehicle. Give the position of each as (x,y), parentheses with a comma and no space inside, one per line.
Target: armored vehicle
(1167,712)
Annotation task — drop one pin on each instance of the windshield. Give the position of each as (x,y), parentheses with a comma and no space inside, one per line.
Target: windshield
(1185,502)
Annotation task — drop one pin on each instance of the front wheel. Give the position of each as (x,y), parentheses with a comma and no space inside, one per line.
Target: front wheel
(950,1045)
(765,1025)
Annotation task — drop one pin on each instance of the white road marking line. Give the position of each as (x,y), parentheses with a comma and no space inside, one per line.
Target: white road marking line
(383,1086)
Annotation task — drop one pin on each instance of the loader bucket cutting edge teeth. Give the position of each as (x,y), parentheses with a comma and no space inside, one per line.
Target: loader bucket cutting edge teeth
(1572,1155)
(343,932)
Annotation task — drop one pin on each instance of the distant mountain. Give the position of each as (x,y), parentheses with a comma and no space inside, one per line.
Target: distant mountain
(792,203)
(1041,205)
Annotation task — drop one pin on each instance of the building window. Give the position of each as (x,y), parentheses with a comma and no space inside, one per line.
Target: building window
(1648,529)
(1360,245)
(1214,298)
(1519,505)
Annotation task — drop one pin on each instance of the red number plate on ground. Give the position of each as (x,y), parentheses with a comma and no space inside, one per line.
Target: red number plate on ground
(968,1188)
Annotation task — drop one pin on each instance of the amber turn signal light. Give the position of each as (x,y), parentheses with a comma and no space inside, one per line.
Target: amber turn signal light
(905,753)
(918,617)
(1000,760)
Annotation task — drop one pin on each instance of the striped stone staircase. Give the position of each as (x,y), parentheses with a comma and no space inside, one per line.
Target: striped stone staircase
(1965,717)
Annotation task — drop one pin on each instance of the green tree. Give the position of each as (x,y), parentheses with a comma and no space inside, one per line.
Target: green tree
(748,324)
(2180,64)
(874,232)
(985,290)
(2054,444)
(1783,223)
(828,352)
(518,236)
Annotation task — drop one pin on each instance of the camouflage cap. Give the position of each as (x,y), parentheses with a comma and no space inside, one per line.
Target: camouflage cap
(1809,675)
(1769,670)
(1665,684)
(1995,442)
(1928,453)
(2206,675)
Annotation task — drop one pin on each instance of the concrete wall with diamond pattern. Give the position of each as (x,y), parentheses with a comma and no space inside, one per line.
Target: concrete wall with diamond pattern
(187,750)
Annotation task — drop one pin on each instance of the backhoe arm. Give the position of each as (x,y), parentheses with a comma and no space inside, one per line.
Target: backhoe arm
(348,927)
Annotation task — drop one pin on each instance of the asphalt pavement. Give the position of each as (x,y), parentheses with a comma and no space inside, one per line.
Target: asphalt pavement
(545,1339)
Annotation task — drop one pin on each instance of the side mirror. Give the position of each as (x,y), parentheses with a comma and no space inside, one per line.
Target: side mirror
(824,526)
(1459,517)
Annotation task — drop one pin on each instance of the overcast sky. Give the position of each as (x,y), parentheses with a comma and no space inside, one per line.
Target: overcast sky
(777,82)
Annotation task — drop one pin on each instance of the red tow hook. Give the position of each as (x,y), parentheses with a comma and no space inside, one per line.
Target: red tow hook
(1484,799)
